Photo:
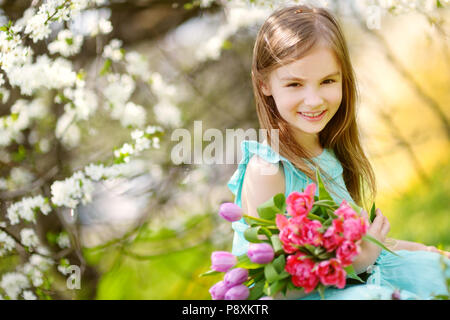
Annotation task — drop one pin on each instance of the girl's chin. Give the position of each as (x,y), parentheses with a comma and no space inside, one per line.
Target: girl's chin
(307,129)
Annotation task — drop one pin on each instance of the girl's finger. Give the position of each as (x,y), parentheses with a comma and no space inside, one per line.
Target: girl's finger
(386,227)
(378,222)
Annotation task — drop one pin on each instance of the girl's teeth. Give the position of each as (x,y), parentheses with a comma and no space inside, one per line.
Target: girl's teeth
(312,114)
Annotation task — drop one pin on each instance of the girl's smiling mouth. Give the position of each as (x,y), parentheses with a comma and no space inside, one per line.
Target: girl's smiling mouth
(312,118)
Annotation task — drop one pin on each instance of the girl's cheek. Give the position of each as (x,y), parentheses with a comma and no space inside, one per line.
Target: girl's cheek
(333,96)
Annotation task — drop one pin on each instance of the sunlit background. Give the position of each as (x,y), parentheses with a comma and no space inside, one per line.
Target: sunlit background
(150,236)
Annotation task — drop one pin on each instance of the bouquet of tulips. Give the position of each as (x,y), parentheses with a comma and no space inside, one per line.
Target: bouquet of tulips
(311,249)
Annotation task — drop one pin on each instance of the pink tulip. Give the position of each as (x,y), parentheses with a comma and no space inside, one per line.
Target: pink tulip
(302,272)
(239,292)
(354,228)
(331,273)
(346,252)
(309,232)
(218,290)
(230,211)
(301,203)
(345,211)
(222,261)
(260,253)
(281,221)
(331,239)
(235,276)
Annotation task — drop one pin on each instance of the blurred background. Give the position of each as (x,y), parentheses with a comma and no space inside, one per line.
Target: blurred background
(151,235)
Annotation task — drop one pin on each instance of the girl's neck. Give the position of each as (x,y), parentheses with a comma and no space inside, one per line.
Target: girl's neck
(309,142)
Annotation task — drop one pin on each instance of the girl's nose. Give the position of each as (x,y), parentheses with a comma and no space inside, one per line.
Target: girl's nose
(312,99)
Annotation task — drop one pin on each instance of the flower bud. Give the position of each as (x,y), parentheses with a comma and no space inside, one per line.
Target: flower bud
(230,211)
(239,292)
(218,290)
(260,253)
(235,276)
(222,261)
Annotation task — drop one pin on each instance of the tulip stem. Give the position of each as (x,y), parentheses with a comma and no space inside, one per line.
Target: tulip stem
(256,274)
(258,219)
(321,204)
(313,216)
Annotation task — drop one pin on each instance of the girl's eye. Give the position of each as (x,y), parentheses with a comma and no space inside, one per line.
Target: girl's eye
(294,85)
(328,81)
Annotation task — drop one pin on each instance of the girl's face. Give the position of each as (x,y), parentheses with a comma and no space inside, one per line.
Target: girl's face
(312,84)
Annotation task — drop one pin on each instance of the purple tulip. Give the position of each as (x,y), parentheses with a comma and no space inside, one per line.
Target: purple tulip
(239,292)
(235,276)
(230,211)
(396,295)
(222,261)
(218,290)
(260,253)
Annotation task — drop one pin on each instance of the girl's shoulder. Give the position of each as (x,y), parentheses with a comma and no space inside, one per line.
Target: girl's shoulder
(260,160)
(268,160)
(327,160)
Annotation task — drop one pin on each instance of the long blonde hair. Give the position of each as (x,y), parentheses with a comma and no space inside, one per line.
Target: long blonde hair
(287,35)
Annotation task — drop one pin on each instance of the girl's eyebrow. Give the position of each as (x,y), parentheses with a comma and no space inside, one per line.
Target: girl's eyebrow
(300,79)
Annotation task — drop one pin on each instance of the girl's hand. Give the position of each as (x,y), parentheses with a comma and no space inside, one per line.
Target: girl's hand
(370,251)
(380,226)
(434,249)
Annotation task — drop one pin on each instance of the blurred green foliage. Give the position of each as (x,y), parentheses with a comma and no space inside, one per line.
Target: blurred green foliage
(422,214)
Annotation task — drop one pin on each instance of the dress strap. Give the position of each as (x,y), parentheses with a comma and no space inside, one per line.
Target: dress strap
(263,150)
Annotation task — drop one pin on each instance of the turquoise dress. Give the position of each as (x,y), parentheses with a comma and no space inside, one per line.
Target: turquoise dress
(416,274)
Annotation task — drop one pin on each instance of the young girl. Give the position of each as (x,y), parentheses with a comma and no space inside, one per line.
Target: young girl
(304,87)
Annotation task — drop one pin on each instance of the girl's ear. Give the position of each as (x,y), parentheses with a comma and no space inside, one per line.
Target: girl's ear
(265,89)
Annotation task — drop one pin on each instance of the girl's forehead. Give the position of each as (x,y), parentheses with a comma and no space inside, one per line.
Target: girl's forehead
(318,62)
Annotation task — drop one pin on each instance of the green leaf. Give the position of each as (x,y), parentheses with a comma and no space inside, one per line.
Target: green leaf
(245,262)
(279,263)
(209,273)
(310,248)
(51,237)
(266,288)
(321,290)
(284,274)
(106,67)
(291,286)
(372,213)
(325,256)
(276,244)
(256,291)
(270,273)
(251,235)
(378,243)
(269,209)
(227,45)
(20,154)
(265,231)
(323,193)
(352,274)
(275,287)
(315,217)
(259,221)
(441,297)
